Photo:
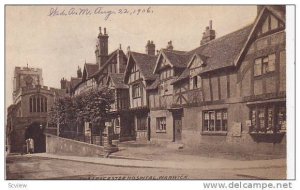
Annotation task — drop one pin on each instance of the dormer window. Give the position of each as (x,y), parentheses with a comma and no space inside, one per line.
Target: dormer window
(195,67)
(136,91)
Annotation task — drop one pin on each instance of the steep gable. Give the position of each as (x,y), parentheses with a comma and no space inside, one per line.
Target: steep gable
(172,58)
(89,70)
(267,22)
(143,63)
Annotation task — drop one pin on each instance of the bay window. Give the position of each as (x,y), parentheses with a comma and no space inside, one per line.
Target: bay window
(269,118)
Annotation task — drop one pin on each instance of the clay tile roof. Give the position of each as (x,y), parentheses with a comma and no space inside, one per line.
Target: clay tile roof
(154,85)
(185,74)
(219,53)
(91,69)
(118,80)
(177,59)
(222,51)
(146,63)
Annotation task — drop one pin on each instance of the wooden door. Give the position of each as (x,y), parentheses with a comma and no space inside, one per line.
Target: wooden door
(177,128)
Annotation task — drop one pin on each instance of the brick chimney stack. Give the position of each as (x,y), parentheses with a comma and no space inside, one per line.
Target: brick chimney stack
(101,51)
(170,46)
(150,48)
(209,34)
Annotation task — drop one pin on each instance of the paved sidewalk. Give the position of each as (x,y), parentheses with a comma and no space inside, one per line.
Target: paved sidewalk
(200,163)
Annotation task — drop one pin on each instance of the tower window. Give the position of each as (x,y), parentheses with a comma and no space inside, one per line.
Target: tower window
(38,103)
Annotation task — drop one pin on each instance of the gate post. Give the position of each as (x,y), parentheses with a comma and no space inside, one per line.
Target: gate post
(108,146)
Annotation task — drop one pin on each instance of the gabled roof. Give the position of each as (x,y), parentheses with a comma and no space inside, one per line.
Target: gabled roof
(178,59)
(226,51)
(222,51)
(89,70)
(280,16)
(145,63)
(110,57)
(118,80)
(196,55)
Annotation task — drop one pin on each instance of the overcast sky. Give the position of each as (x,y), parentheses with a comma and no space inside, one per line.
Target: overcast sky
(58,44)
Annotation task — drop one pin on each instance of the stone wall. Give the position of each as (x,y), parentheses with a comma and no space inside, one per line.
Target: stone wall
(58,145)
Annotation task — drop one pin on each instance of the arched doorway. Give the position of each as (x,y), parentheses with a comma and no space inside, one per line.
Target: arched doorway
(35,131)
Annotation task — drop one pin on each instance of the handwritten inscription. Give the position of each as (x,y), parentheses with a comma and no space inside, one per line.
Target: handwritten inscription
(107,13)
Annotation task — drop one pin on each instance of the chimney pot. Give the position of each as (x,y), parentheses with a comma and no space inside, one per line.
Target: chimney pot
(150,48)
(100,30)
(104,31)
(210,24)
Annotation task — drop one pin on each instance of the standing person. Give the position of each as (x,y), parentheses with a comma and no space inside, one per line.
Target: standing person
(31,146)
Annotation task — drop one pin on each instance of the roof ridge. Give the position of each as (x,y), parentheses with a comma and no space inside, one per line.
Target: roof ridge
(220,38)
(175,51)
(143,54)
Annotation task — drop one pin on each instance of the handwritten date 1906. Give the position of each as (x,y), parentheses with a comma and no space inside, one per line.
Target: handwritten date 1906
(104,11)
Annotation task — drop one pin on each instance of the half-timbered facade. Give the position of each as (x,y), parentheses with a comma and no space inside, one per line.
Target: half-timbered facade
(106,72)
(229,89)
(166,120)
(138,76)
(120,118)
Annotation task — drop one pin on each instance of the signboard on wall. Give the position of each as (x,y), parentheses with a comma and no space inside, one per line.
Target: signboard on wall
(237,129)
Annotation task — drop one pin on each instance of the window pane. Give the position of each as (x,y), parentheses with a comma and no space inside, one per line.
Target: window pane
(161,124)
(264,68)
(218,121)
(211,126)
(261,117)
(30,104)
(195,82)
(45,104)
(224,121)
(42,104)
(253,119)
(34,104)
(270,119)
